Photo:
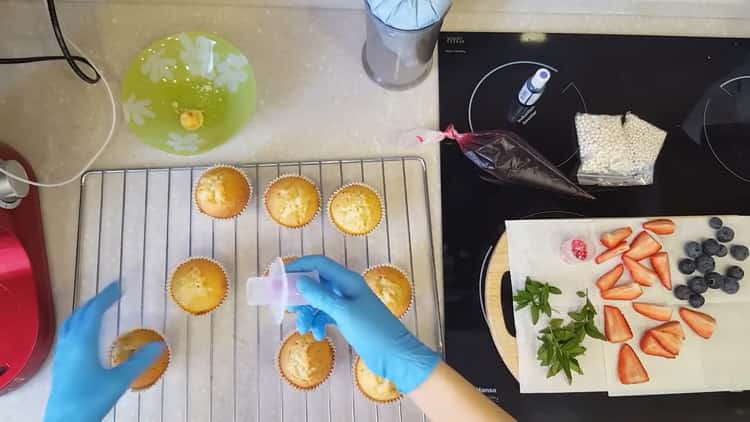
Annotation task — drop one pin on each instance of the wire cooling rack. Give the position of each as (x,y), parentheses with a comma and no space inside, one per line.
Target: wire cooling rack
(135,225)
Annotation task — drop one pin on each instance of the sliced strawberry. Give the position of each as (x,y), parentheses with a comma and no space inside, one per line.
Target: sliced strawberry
(643,246)
(615,237)
(611,253)
(640,273)
(628,291)
(673,327)
(630,370)
(650,346)
(660,226)
(702,324)
(659,313)
(660,263)
(670,342)
(610,278)
(616,327)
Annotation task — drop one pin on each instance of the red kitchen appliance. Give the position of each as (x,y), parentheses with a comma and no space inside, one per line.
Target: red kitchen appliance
(27,317)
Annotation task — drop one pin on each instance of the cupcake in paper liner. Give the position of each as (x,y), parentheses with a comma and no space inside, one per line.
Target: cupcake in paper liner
(375,388)
(355,209)
(392,286)
(292,201)
(127,344)
(305,363)
(222,192)
(198,285)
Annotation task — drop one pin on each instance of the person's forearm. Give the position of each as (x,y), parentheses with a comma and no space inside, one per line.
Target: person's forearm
(447,396)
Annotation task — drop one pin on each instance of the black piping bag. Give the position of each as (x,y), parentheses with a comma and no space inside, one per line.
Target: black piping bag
(505,158)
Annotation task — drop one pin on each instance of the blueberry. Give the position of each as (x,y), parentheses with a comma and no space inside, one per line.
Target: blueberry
(739,252)
(730,286)
(704,264)
(693,249)
(735,272)
(682,292)
(697,284)
(714,280)
(696,300)
(723,251)
(715,223)
(686,266)
(725,234)
(711,247)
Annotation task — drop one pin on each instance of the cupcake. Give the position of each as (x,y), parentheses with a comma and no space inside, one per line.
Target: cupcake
(304,362)
(355,209)
(373,387)
(285,259)
(198,285)
(292,201)
(222,192)
(392,286)
(128,343)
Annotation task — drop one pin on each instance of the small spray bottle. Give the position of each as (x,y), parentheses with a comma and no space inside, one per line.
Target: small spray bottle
(522,110)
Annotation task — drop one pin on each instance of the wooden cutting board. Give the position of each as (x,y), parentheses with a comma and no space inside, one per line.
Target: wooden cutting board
(504,342)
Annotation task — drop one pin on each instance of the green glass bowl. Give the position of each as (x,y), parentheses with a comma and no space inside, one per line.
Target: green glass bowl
(188,93)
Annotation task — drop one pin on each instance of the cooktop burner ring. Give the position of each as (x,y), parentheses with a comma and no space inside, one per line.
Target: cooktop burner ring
(553,69)
(716,155)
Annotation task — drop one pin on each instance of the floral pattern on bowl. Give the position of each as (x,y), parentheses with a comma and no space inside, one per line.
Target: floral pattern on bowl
(184,75)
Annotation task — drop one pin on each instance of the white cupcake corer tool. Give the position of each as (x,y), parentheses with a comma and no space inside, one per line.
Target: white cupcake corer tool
(278,290)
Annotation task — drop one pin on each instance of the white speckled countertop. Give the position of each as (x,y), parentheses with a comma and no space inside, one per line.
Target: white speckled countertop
(314,99)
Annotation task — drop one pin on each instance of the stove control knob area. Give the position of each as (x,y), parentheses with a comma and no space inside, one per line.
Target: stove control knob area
(12,191)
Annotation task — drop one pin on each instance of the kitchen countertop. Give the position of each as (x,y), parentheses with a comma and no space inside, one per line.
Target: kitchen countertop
(314,99)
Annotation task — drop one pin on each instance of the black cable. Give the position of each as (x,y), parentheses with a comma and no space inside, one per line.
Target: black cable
(67,56)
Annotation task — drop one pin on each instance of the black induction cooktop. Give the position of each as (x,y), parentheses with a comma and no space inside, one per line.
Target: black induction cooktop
(697,89)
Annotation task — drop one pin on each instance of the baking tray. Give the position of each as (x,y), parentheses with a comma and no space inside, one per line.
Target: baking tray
(135,225)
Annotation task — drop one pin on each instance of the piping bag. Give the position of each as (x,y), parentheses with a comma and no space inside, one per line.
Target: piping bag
(278,290)
(504,158)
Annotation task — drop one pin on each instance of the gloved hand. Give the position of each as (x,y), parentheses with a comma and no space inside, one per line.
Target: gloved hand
(343,298)
(82,390)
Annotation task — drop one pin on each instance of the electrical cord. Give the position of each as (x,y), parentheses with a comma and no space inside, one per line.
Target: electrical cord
(67,56)
(71,59)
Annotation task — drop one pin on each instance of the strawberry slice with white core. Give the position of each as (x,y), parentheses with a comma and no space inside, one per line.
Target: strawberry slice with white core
(640,273)
(660,226)
(660,263)
(615,237)
(650,346)
(673,327)
(611,253)
(659,313)
(628,291)
(610,278)
(643,246)
(616,327)
(702,324)
(670,342)
(630,370)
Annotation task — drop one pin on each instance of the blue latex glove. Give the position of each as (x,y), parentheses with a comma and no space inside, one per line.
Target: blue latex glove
(82,390)
(388,349)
